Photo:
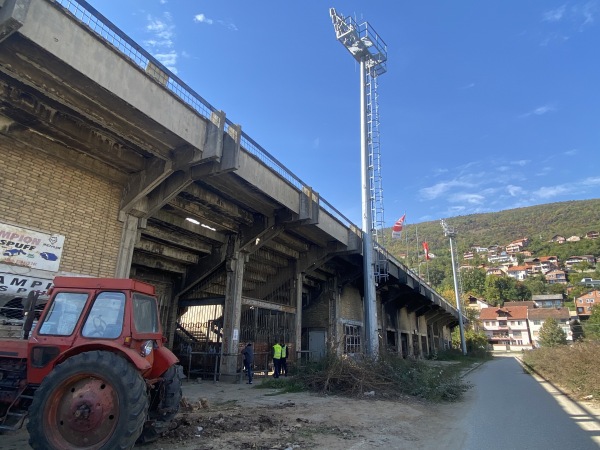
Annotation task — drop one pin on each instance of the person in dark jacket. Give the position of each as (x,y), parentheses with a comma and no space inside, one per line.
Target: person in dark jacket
(248,354)
(283,362)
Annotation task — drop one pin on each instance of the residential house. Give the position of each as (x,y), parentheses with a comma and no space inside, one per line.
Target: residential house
(517,245)
(513,248)
(494,271)
(502,257)
(573,239)
(506,327)
(585,302)
(589,282)
(480,249)
(517,272)
(556,276)
(529,303)
(573,260)
(477,303)
(549,300)
(468,255)
(591,235)
(537,317)
(558,239)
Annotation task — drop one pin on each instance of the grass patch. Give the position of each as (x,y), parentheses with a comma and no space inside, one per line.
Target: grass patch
(283,384)
(572,367)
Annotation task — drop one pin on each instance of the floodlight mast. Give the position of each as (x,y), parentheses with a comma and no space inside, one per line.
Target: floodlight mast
(370,51)
(450,233)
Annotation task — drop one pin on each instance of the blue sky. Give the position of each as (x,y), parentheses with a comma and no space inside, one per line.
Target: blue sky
(485,106)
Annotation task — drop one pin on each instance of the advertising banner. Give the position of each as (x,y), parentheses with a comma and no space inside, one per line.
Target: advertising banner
(28,248)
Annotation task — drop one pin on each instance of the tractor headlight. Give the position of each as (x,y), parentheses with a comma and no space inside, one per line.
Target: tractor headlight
(146,348)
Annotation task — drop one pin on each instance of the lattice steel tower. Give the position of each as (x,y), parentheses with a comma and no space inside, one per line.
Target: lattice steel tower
(365,45)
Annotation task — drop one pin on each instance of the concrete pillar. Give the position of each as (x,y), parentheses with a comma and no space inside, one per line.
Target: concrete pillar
(129,236)
(298,294)
(232,313)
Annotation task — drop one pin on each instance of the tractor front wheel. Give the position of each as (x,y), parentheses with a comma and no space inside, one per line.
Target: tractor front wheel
(94,400)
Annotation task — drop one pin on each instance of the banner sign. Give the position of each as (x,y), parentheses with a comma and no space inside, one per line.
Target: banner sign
(20,285)
(28,248)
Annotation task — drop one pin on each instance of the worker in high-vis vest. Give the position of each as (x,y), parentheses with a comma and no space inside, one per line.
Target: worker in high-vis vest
(283,364)
(277,359)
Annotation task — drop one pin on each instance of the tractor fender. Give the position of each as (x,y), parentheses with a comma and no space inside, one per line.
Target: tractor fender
(163,359)
(133,356)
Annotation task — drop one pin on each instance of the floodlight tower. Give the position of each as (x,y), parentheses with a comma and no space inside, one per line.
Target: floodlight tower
(450,233)
(365,45)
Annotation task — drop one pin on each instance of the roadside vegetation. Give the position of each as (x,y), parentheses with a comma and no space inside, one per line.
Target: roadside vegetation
(572,367)
(389,376)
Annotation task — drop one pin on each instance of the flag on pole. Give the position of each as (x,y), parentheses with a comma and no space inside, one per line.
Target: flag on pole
(426,250)
(397,228)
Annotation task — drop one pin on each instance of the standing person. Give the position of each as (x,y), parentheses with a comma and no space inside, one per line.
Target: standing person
(248,354)
(276,359)
(284,351)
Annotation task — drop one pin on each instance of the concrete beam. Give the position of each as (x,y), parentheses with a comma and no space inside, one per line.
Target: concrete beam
(71,42)
(142,183)
(153,262)
(177,239)
(12,16)
(180,222)
(267,305)
(203,214)
(167,252)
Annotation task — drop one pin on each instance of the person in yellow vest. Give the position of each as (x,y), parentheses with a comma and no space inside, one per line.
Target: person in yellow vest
(277,359)
(284,355)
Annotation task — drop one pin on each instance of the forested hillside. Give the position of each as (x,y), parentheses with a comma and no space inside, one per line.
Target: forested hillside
(538,223)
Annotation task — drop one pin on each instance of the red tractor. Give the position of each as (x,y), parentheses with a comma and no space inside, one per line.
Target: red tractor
(94,373)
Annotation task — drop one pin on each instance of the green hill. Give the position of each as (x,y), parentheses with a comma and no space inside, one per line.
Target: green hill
(538,223)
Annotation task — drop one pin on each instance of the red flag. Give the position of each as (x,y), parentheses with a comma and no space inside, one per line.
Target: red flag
(397,228)
(426,250)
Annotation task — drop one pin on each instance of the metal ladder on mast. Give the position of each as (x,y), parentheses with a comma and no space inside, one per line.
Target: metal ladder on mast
(375,178)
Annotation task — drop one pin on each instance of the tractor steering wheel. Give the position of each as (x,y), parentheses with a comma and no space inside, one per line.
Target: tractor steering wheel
(99,326)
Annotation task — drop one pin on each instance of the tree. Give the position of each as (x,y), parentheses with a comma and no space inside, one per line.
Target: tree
(591,327)
(551,334)
(473,282)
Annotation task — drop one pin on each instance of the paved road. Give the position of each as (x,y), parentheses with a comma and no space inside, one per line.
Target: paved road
(509,409)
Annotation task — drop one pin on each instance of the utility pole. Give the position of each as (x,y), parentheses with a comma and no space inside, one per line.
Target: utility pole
(450,233)
(371,52)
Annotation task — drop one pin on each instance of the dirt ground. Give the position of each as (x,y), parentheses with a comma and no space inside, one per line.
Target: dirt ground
(241,416)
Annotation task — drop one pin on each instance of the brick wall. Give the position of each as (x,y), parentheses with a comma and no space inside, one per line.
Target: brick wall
(47,195)
(351,304)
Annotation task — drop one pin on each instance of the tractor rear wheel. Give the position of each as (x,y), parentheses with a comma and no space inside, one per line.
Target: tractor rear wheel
(94,400)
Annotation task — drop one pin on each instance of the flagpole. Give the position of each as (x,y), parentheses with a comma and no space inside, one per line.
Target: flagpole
(417,236)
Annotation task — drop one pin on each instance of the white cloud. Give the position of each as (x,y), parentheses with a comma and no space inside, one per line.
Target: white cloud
(554,15)
(201,18)
(161,44)
(468,86)
(435,191)
(514,191)
(520,162)
(591,181)
(473,199)
(571,152)
(551,191)
(539,111)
